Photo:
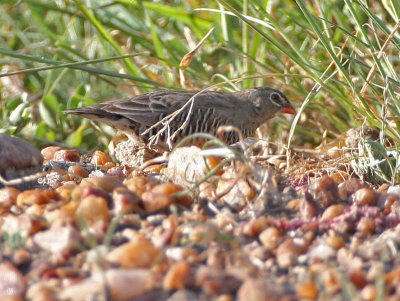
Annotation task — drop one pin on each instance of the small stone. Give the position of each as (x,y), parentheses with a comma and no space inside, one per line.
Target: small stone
(358,277)
(307,290)
(186,165)
(155,202)
(387,200)
(92,210)
(12,282)
(366,225)
(236,192)
(125,201)
(77,172)
(177,276)
(123,284)
(120,172)
(100,158)
(270,237)
(340,176)
(106,183)
(138,184)
(332,212)
(48,152)
(368,293)
(365,197)
(215,282)
(67,155)
(154,168)
(287,253)
(211,163)
(308,209)
(348,187)
(132,153)
(335,241)
(58,239)
(23,225)
(324,191)
(21,257)
(137,254)
(37,196)
(17,154)
(182,253)
(264,290)
(160,197)
(41,292)
(65,190)
(322,251)
(8,196)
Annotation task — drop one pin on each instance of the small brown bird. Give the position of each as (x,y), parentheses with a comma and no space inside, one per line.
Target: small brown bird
(245,110)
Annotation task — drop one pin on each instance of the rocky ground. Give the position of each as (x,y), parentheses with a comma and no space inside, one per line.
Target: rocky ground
(84,227)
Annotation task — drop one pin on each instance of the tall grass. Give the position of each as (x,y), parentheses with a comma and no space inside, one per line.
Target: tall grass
(338,61)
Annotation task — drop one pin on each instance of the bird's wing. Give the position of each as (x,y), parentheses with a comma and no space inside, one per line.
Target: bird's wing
(147,109)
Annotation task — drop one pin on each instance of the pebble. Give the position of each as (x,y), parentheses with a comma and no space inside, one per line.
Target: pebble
(134,254)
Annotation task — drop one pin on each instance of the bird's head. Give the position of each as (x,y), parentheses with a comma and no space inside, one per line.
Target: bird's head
(267,102)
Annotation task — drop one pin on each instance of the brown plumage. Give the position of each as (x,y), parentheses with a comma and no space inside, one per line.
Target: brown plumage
(246,110)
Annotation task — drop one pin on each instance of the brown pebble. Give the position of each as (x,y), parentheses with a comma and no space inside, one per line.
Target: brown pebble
(387,200)
(8,196)
(333,211)
(48,152)
(41,292)
(358,277)
(307,290)
(212,162)
(340,176)
(21,257)
(138,184)
(100,158)
(335,241)
(365,197)
(349,187)
(92,209)
(172,189)
(106,183)
(308,209)
(68,155)
(154,168)
(264,290)
(135,254)
(255,226)
(294,204)
(383,188)
(125,201)
(65,190)
(366,225)
(177,276)
(324,191)
(270,237)
(37,196)
(161,196)
(154,202)
(120,172)
(77,172)
(287,253)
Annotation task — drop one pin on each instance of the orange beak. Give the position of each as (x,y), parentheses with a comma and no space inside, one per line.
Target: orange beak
(288,109)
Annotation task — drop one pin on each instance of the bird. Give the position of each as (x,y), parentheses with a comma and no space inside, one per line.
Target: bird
(144,118)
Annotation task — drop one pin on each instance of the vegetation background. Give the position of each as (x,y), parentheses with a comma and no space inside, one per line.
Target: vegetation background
(338,61)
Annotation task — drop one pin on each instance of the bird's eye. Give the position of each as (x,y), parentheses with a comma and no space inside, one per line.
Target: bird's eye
(275,97)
